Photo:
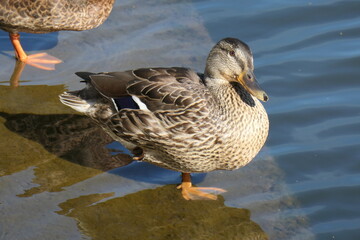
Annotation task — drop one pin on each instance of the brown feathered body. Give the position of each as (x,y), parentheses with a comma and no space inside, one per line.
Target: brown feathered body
(42,16)
(185,127)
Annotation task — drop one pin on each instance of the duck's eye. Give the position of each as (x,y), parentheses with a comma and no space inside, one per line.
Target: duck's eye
(232,53)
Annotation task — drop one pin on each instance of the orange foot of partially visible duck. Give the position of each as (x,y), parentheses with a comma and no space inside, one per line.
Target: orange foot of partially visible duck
(40,60)
(197,193)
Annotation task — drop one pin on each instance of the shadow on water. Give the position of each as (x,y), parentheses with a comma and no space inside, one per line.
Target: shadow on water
(159,214)
(30,41)
(71,137)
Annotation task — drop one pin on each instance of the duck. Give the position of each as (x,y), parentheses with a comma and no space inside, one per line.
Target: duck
(179,119)
(44,16)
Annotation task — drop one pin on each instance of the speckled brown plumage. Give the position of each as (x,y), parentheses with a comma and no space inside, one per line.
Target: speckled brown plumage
(41,16)
(186,121)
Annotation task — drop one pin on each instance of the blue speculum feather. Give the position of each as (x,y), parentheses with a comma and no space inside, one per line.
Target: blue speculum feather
(125,102)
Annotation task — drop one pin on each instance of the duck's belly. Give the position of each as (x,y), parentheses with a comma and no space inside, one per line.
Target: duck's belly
(229,153)
(198,160)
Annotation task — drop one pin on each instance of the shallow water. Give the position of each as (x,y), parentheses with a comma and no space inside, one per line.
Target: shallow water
(63,178)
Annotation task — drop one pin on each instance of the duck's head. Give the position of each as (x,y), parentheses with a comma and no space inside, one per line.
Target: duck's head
(231,60)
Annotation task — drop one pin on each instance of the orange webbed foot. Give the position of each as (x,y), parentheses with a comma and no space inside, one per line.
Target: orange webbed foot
(197,193)
(42,60)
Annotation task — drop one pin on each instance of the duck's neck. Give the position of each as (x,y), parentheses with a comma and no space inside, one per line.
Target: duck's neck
(238,111)
(232,100)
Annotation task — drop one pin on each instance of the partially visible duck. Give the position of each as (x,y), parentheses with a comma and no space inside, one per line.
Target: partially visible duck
(43,16)
(181,120)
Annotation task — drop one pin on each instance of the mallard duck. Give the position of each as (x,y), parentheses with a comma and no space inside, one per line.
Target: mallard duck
(181,120)
(43,16)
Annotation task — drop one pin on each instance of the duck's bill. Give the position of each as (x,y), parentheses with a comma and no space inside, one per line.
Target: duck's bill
(249,81)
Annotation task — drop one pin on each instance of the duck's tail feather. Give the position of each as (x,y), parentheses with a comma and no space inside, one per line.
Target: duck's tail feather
(72,100)
(85,76)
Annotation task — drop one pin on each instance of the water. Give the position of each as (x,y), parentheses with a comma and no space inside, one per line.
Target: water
(63,178)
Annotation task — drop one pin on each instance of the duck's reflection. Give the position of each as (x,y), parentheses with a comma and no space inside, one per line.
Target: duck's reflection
(69,136)
(159,214)
(64,136)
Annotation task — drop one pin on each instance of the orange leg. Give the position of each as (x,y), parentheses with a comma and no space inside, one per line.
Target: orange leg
(197,193)
(40,60)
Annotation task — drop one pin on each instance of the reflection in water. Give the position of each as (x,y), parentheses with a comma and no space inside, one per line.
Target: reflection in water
(38,132)
(71,137)
(15,77)
(159,214)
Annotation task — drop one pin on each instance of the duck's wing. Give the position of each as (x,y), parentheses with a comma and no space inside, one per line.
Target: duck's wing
(110,85)
(157,88)
(170,89)
(175,102)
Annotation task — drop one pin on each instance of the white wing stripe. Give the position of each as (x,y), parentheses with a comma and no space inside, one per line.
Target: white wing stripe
(141,105)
